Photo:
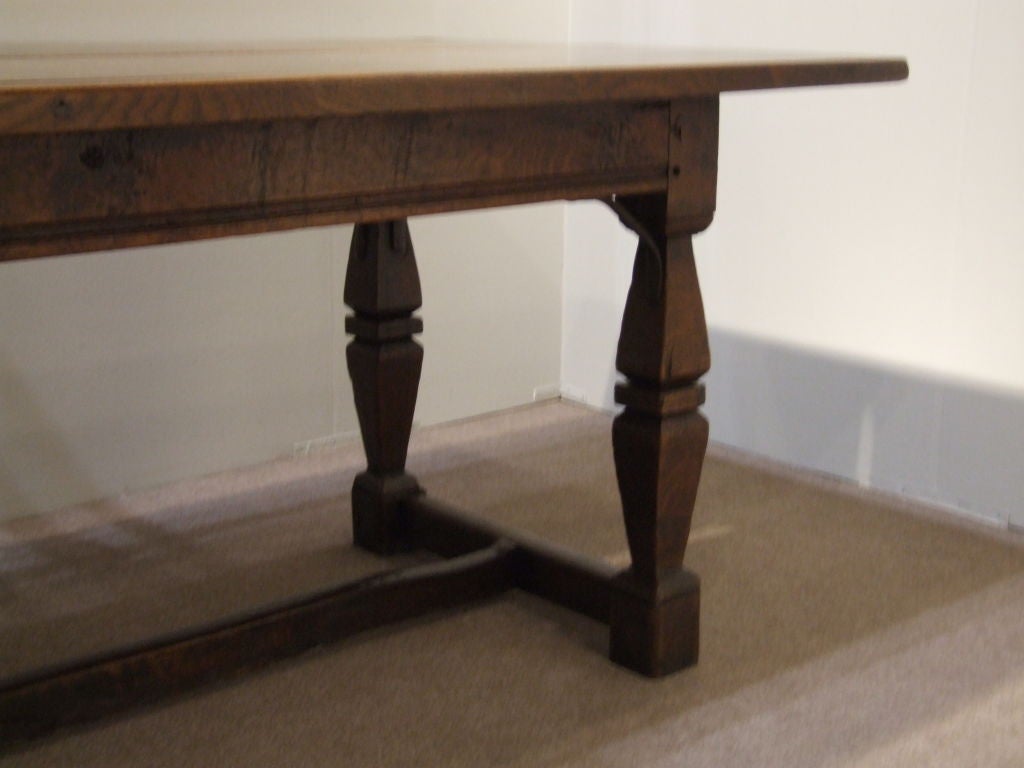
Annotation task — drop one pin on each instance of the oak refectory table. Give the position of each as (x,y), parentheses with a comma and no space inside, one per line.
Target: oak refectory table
(109,149)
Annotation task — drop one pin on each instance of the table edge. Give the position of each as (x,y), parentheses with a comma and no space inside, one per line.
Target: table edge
(68,107)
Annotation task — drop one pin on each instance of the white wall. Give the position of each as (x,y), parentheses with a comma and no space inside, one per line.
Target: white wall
(868,243)
(124,370)
(253,20)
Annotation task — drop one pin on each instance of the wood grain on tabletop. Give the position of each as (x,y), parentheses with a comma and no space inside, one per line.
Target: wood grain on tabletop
(68,88)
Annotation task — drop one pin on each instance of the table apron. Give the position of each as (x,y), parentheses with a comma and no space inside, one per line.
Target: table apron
(73,192)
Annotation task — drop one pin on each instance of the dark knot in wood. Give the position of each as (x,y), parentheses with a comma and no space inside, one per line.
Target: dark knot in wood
(92,157)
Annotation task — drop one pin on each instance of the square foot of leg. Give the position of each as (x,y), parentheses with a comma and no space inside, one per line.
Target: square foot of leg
(377,521)
(655,631)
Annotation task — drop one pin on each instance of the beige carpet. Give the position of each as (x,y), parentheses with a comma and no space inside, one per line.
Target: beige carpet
(837,631)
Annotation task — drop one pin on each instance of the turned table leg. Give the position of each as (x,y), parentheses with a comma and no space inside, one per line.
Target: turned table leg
(659,441)
(660,437)
(382,285)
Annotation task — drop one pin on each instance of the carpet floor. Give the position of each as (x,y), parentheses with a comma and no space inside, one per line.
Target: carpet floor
(837,629)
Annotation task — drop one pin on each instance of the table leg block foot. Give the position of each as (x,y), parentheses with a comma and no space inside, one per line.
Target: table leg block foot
(655,631)
(378,520)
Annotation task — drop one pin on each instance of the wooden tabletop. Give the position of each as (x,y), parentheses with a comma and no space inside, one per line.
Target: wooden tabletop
(74,89)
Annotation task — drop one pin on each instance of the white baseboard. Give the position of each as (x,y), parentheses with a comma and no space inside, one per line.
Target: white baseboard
(944,443)
(327,443)
(547,392)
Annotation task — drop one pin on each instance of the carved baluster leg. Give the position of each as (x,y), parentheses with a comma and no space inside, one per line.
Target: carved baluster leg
(660,438)
(382,286)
